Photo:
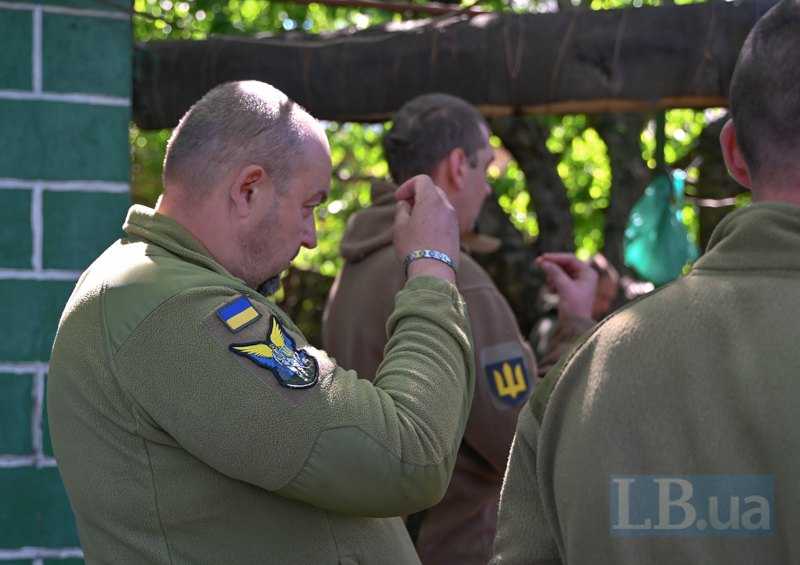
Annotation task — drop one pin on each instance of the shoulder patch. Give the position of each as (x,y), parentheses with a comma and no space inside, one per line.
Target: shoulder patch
(293,367)
(238,314)
(506,374)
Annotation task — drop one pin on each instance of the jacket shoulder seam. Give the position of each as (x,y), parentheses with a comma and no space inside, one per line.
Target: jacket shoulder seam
(161,527)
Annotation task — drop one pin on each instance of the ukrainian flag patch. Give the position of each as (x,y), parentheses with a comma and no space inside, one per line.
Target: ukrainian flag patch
(238,314)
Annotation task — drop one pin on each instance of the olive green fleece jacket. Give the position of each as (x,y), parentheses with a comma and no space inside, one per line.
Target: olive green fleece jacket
(174,449)
(701,378)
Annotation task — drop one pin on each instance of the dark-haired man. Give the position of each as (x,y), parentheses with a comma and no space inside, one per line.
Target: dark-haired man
(670,434)
(191,421)
(446,138)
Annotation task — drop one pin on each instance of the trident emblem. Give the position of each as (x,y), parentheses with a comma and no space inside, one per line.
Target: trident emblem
(511,382)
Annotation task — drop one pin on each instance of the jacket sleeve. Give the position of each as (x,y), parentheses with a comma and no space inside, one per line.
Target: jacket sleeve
(523,532)
(344,444)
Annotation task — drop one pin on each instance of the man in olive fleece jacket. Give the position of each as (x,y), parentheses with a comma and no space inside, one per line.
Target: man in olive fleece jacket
(190,419)
(668,436)
(446,137)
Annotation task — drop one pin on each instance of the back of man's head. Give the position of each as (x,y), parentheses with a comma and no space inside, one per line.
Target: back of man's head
(235,124)
(426,129)
(765,95)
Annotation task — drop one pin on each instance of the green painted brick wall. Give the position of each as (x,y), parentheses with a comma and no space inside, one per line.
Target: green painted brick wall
(15,56)
(120,6)
(41,515)
(31,317)
(80,225)
(15,229)
(16,413)
(47,442)
(63,196)
(75,141)
(72,62)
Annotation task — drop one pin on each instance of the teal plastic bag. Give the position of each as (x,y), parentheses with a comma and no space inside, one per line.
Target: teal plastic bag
(657,244)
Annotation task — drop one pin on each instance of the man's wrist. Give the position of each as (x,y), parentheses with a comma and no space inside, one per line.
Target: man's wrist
(435,254)
(430,268)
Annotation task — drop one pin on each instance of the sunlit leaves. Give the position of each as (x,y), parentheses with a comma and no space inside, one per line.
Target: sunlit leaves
(585,170)
(147,154)
(357,159)
(683,127)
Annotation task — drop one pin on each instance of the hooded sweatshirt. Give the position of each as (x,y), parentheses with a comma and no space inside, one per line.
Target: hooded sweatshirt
(461,527)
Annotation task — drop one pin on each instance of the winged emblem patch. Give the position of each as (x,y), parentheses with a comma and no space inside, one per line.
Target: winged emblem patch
(294,368)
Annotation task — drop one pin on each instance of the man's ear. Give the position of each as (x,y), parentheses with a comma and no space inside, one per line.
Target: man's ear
(732,153)
(456,168)
(248,184)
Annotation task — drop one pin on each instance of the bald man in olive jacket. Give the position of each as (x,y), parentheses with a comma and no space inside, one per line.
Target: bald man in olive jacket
(191,420)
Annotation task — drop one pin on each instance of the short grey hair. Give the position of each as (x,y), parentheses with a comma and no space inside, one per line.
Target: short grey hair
(235,124)
(426,129)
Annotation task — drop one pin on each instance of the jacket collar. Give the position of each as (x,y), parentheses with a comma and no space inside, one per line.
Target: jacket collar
(146,224)
(759,237)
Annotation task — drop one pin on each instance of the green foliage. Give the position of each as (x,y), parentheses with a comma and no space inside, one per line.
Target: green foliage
(683,127)
(585,170)
(198,19)
(508,183)
(147,154)
(583,162)
(357,160)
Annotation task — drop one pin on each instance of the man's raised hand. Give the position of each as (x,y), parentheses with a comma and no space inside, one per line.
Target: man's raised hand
(425,219)
(574,281)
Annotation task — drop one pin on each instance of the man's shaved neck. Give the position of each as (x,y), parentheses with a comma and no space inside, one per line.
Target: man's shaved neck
(204,219)
(778,184)
(787,194)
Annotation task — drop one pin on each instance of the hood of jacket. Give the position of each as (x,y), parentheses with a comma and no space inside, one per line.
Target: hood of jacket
(372,228)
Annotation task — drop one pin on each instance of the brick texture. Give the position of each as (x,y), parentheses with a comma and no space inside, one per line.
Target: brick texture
(16,414)
(61,137)
(119,6)
(40,515)
(79,225)
(30,317)
(75,141)
(72,62)
(15,229)
(15,56)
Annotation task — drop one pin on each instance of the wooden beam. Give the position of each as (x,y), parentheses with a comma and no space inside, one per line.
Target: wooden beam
(633,59)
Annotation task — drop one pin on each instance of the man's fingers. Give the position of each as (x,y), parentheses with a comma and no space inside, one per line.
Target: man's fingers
(574,267)
(556,276)
(566,261)
(412,188)
(402,214)
(405,191)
